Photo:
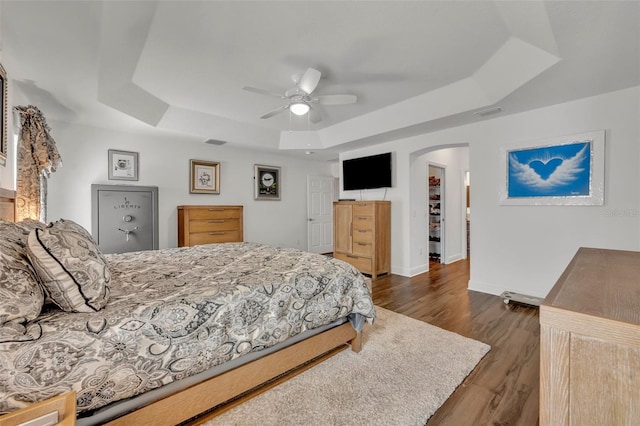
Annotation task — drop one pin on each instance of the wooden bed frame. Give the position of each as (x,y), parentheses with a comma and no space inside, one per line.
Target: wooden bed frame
(202,397)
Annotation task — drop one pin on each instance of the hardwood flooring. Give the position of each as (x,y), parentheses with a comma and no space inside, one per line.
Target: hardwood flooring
(504,387)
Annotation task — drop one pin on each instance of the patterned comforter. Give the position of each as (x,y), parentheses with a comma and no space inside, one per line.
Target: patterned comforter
(174,313)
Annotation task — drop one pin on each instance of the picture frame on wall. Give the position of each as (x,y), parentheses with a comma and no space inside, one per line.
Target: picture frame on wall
(204,177)
(567,170)
(266,182)
(3,116)
(123,165)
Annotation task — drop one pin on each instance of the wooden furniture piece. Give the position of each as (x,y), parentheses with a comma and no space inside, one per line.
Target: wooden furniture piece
(590,342)
(7,205)
(362,235)
(209,224)
(62,407)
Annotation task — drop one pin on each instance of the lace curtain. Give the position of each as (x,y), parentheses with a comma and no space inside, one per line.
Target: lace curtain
(37,158)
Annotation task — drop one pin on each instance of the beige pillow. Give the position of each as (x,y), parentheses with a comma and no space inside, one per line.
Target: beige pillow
(70,266)
(21,296)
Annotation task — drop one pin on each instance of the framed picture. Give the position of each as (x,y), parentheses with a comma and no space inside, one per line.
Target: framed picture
(560,171)
(204,177)
(123,165)
(266,182)
(3,117)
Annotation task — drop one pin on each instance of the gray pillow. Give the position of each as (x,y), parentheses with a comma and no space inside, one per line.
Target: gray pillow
(70,266)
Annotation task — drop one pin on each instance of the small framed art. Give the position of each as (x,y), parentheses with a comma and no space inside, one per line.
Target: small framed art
(204,177)
(266,182)
(123,165)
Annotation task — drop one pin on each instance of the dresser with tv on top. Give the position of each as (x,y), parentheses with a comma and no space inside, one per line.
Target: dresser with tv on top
(209,224)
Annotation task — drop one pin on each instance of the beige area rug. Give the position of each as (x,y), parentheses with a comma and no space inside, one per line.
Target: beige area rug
(405,372)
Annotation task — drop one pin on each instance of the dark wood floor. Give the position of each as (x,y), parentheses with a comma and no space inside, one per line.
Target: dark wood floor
(504,387)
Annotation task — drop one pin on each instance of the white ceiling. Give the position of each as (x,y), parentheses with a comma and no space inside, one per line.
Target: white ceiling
(416,66)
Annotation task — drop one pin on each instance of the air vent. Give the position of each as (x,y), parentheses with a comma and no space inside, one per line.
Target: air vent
(215,142)
(488,111)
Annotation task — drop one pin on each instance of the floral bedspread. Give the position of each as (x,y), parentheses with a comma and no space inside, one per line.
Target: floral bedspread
(173,313)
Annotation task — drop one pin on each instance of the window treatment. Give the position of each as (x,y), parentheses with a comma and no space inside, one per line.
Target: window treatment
(37,158)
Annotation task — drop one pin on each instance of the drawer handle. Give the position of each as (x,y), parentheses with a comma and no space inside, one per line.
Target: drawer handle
(217,233)
(363,217)
(363,230)
(216,210)
(352,256)
(216,221)
(362,244)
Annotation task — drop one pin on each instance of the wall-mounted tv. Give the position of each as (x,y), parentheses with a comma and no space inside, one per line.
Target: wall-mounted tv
(367,172)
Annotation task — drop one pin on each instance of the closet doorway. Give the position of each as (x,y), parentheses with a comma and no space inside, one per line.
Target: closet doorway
(467,191)
(436,205)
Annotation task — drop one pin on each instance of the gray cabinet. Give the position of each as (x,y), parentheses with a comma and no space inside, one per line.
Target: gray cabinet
(124,217)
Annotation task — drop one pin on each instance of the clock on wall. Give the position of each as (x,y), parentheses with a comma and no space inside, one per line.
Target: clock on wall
(266,182)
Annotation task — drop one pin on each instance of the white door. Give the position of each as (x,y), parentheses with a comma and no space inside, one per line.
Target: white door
(320,214)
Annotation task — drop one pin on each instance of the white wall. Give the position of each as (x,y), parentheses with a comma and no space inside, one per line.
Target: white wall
(164,162)
(526,248)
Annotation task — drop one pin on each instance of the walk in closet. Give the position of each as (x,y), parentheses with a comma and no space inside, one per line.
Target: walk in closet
(436,212)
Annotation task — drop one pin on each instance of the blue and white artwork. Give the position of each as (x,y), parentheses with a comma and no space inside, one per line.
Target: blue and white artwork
(550,171)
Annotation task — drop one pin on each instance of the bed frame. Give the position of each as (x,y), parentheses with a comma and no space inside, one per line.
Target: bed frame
(208,394)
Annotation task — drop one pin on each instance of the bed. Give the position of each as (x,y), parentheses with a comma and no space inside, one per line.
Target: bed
(188,327)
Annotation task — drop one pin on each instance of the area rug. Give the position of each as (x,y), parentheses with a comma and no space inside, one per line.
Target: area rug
(406,370)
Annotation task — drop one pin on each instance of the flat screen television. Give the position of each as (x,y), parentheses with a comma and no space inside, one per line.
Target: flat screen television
(367,172)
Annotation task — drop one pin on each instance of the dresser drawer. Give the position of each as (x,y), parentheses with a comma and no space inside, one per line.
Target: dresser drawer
(362,235)
(214,213)
(363,209)
(362,222)
(362,249)
(207,225)
(362,264)
(214,237)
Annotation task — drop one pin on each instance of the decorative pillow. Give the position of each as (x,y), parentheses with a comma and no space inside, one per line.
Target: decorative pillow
(70,266)
(21,296)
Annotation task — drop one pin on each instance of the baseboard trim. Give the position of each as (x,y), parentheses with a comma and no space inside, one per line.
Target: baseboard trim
(420,269)
(400,271)
(453,258)
(497,290)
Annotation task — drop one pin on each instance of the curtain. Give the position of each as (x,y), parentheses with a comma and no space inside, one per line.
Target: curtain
(37,158)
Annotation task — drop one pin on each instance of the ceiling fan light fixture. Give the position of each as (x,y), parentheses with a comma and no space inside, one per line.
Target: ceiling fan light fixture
(299,108)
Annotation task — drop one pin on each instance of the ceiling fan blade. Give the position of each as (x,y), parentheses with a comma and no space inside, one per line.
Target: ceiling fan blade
(309,80)
(315,116)
(336,99)
(276,111)
(262,92)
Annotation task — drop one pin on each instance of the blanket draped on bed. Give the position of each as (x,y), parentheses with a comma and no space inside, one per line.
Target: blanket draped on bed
(173,313)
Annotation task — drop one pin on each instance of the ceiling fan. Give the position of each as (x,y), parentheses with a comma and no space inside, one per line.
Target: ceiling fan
(299,99)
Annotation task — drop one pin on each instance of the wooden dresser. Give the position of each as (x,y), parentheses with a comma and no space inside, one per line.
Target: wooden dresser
(590,342)
(209,224)
(362,235)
